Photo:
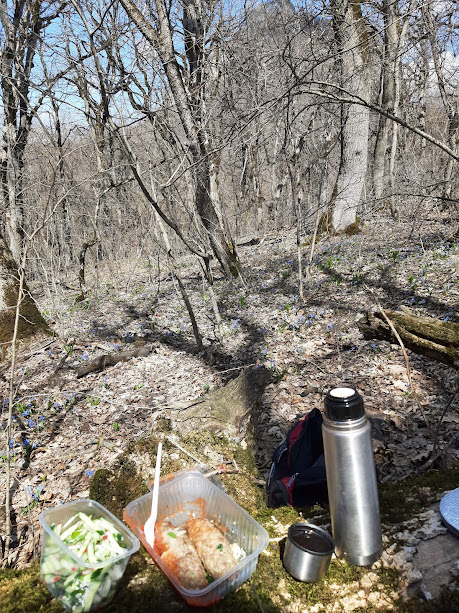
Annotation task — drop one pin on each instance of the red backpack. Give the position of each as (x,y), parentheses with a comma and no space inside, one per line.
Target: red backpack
(297,476)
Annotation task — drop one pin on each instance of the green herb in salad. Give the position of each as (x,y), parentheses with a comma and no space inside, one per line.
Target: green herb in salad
(209,577)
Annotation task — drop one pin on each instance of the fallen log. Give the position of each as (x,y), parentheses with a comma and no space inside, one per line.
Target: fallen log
(433,338)
(139,350)
(225,410)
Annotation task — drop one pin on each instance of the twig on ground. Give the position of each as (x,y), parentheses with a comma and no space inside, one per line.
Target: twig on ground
(224,470)
(407,362)
(185,451)
(257,598)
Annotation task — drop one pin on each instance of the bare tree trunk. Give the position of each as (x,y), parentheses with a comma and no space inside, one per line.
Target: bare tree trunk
(22,24)
(396,106)
(65,205)
(449,102)
(352,41)
(176,272)
(390,11)
(31,322)
(190,109)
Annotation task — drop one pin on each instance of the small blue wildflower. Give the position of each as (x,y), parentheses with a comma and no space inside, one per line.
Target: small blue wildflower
(90,473)
(26,442)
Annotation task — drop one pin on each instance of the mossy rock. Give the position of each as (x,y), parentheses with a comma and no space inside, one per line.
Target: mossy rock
(24,591)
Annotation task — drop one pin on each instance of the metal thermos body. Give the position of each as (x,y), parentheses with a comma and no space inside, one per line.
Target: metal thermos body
(351,478)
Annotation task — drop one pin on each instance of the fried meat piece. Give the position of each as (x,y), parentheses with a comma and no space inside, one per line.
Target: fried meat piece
(211,545)
(179,555)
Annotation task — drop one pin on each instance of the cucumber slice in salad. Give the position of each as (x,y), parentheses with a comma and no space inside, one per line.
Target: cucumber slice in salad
(93,540)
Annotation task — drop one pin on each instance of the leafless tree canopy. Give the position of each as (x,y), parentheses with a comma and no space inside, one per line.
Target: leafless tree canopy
(219,121)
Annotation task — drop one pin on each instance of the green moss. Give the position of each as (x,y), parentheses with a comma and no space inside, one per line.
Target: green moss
(245,456)
(114,488)
(401,501)
(271,579)
(270,586)
(23,591)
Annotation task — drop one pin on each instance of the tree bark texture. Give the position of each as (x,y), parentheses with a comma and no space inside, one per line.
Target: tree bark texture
(31,322)
(22,25)
(352,42)
(435,339)
(449,101)
(225,410)
(387,94)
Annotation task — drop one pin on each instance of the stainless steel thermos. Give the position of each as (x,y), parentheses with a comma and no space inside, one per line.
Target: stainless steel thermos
(351,478)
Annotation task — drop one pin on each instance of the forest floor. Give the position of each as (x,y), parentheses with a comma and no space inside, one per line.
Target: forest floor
(67,428)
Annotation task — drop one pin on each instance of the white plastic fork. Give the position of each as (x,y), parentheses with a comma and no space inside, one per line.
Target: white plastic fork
(149,528)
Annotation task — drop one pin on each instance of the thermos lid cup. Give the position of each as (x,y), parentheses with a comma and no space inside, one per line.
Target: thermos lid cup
(308,551)
(343,404)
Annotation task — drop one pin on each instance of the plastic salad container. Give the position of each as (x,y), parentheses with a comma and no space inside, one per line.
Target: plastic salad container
(192,495)
(77,584)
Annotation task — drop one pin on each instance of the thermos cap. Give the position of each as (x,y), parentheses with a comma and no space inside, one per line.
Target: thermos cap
(343,404)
